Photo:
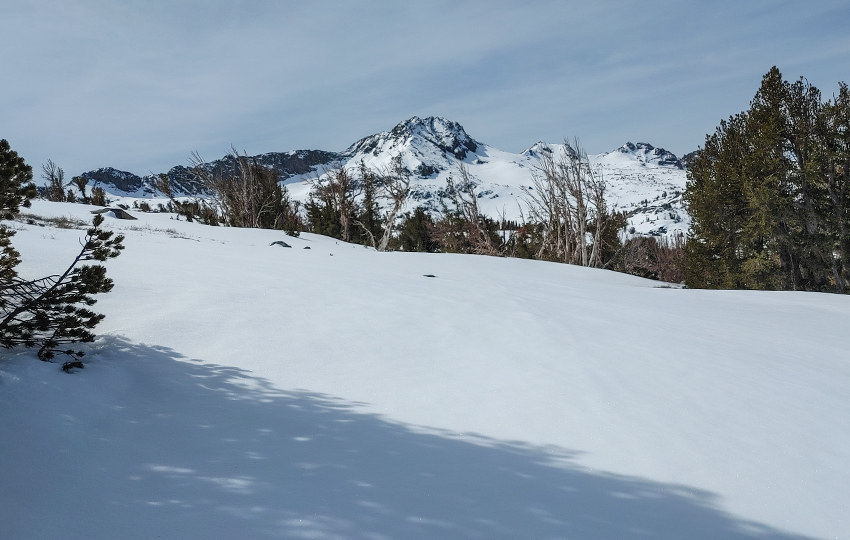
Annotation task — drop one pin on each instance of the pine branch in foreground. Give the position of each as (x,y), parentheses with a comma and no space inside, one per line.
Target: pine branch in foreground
(53,311)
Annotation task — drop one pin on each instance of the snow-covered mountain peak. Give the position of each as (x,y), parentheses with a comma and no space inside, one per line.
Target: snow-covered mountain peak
(644,181)
(541,147)
(644,153)
(422,136)
(121,180)
(534,150)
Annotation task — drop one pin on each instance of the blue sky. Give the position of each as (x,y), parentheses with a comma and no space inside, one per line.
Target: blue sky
(138,85)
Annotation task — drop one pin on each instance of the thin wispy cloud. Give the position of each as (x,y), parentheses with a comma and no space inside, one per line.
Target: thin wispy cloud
(140,85)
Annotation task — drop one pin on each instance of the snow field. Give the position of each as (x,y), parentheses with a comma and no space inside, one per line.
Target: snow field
(241,389)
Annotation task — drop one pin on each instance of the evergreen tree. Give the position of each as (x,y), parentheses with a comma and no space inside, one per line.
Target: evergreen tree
(834,164)
(766,195)
(417,232)
(526,242)
(322,217)
(98,196)
(369,213)
(333,196)
(715,199)
(16,186)
(81,182)
(51,311)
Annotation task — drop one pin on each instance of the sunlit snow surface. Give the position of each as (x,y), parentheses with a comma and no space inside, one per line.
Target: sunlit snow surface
(242,390)
(639,180)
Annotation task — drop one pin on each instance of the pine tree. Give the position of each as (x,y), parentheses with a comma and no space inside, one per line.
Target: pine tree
(81,182)
(98,196)
(322,216)
(834,163)
(417,232)
(16,186)
(369,213)
(767,197)
(51,311)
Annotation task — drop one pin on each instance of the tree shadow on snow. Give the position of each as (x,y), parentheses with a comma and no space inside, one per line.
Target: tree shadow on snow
(182,449)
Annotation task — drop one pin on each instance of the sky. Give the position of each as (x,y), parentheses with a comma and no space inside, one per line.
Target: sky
(141,84)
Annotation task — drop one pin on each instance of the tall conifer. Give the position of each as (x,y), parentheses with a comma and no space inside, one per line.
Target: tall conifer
(767,197)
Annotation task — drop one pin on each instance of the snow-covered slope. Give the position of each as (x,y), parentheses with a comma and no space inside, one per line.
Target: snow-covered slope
(644,181)
(242,390)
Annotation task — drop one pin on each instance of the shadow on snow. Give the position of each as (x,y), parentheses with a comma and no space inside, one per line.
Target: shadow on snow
(175,448)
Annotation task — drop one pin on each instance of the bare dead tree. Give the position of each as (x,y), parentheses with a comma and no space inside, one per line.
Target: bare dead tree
(395,187)
(568,198)
(244,193)
(596,190)
(163,185)
(55,177)
(339,193)
(503,221)
(549,205)
(338,187)
(466,203)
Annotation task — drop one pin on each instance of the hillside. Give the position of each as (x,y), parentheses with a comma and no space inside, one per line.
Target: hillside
(242,390)
(644,181)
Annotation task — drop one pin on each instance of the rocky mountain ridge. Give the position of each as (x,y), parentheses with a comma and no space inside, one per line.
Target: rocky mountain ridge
(644,181)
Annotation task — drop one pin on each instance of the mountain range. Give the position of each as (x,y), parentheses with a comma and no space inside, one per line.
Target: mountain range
(644,181)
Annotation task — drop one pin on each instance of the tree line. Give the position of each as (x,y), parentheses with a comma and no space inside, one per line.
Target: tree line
(767,195)
(568,218)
